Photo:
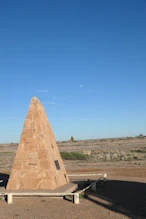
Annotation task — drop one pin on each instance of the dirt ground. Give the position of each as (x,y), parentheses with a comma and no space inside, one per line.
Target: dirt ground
(122,196)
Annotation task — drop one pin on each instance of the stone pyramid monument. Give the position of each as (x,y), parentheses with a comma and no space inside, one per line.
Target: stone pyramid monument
(37,164)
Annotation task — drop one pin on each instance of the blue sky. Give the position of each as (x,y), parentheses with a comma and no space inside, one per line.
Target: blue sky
(84,60)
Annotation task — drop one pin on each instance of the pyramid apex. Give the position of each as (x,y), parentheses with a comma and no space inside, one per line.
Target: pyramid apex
(35,100)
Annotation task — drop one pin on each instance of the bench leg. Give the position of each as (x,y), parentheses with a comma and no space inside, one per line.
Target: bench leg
(76,198)
(105,176)
(94,187)
(10,198)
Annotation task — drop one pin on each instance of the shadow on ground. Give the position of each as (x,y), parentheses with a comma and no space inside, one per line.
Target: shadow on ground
(128,198)
(3,179)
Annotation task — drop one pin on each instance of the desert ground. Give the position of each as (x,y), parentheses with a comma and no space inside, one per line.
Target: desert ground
(122,196)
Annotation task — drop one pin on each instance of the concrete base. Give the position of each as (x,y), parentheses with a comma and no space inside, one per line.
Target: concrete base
(69,189)
(61,192)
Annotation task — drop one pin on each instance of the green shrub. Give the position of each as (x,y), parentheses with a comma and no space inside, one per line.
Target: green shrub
(102,139)
(74,156)
(72,138)
(139,151)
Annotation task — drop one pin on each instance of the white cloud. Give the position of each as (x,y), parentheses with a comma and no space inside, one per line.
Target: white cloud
(50,103)
(61,98)
(42,91)
(81,85)
(90,90)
